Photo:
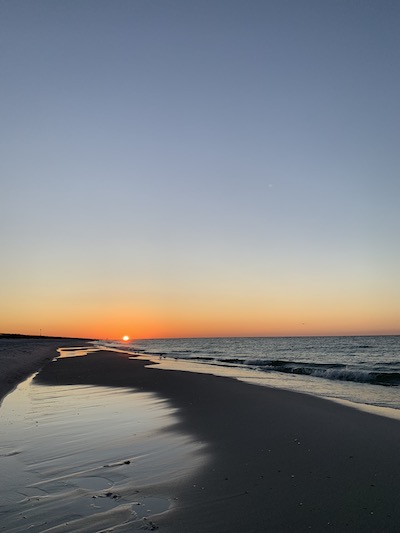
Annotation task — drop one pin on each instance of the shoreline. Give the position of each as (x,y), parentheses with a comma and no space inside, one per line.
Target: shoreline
(279,461)
(253,377)
(352,369)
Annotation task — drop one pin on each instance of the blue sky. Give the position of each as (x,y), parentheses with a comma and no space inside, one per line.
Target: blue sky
(222,167)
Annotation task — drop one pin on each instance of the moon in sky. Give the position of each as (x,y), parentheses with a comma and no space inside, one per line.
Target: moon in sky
(125,338)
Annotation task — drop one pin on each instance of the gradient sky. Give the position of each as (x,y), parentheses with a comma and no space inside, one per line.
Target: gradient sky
(199,168)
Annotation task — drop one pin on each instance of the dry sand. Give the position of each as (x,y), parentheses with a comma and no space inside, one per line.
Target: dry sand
(22,356)
(278,461)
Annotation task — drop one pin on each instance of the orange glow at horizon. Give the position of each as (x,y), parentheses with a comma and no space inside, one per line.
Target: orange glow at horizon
(221,323)
(227,314)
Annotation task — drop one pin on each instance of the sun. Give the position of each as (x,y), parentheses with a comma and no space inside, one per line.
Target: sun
(125,338)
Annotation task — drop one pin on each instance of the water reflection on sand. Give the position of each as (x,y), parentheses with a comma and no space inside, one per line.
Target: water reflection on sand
(83,458)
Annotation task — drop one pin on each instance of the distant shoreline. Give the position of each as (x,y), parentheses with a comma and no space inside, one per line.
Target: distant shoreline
(22,355)
(23,336)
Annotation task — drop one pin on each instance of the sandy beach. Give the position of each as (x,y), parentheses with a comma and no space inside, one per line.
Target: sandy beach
(278,461)
(274,460)
(21,356)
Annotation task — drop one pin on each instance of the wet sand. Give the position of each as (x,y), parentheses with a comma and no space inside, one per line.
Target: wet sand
(277,461)
(85,458)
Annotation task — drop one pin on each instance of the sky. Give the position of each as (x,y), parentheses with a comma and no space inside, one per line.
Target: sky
(172,168)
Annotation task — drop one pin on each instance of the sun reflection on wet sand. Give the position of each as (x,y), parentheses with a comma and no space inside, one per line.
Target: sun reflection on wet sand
(75,352)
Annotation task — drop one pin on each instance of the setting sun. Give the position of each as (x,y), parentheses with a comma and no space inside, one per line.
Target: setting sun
(125,338)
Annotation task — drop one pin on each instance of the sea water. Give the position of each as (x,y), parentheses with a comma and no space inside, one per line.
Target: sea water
(364,370)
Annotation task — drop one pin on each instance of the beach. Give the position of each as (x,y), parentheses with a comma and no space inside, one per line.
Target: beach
(272,460)
(20,356)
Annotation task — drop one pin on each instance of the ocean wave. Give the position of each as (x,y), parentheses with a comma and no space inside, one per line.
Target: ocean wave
(233,360)
(335,372)
(391,378)
(205,358)
(331,371)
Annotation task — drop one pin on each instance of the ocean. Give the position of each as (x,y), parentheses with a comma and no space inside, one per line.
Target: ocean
(364,370)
